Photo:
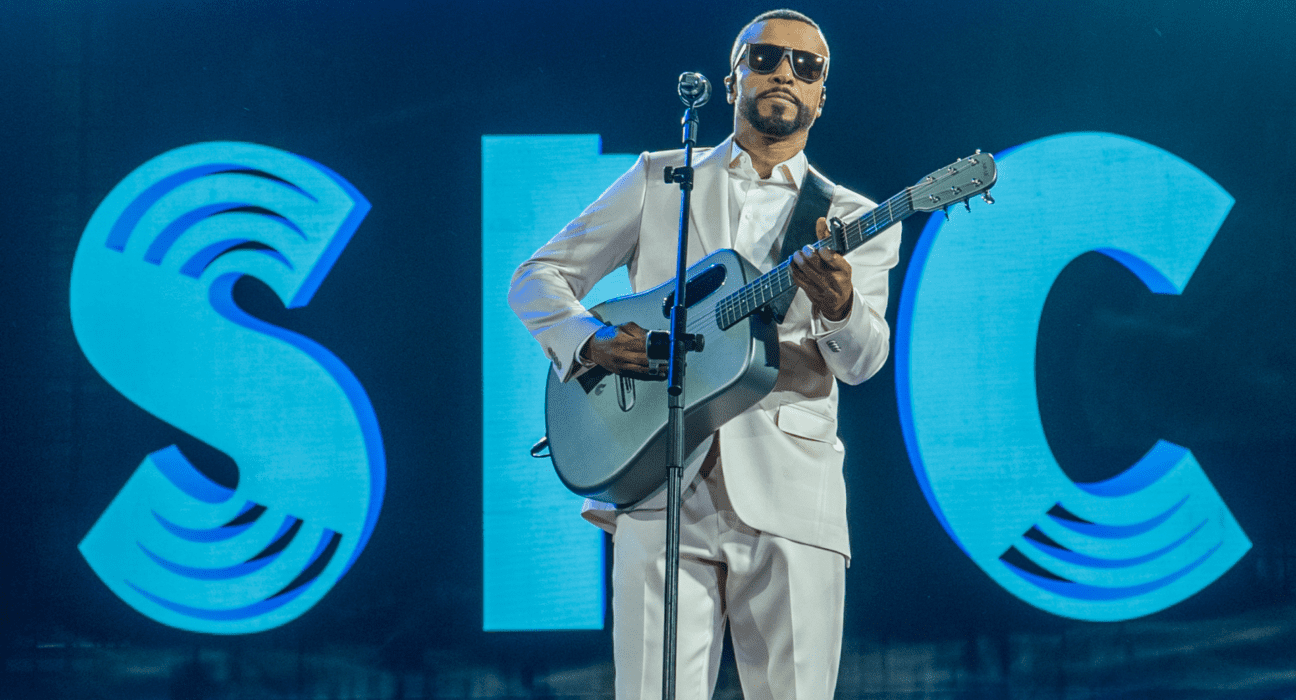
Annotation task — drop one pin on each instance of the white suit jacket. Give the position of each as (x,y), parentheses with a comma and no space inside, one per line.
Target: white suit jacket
(782,458)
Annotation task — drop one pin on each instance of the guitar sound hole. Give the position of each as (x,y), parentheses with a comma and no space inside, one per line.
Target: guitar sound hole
(699,287)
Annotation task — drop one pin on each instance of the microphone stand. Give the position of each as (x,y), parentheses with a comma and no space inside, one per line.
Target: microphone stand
(694,91)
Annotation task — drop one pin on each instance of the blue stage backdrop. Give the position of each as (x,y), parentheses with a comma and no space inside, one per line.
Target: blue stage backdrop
(267,413)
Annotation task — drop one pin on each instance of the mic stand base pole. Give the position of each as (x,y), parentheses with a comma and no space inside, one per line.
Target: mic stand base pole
(674,501)
(675,408)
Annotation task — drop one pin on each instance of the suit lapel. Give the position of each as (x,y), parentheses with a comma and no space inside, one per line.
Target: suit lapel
(709,214)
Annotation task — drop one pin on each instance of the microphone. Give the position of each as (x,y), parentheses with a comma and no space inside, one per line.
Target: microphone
(694,89)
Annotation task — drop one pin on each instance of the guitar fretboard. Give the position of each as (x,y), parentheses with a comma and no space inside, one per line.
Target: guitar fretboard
(778,281)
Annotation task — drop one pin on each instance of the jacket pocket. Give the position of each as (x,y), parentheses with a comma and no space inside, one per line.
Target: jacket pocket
(807,424)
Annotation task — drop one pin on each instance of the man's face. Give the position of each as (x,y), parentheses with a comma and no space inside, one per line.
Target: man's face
(779,103)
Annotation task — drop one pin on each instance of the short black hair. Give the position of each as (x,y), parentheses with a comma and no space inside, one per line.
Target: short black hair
(772,14)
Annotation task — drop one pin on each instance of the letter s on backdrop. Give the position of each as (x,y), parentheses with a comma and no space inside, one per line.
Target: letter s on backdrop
(152,309)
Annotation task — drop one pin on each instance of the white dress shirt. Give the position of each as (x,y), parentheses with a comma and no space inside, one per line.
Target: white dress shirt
(759,208)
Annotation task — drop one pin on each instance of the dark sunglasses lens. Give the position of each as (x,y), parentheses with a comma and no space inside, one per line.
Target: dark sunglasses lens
(764,58)
(807,65)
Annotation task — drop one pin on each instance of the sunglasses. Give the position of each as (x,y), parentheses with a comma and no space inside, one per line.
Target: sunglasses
(765,58)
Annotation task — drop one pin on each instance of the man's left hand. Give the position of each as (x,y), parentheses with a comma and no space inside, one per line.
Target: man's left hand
(825,276)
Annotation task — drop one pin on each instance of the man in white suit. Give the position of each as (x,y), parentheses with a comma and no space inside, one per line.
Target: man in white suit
(764,542)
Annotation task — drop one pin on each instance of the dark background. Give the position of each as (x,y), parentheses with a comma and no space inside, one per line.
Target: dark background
(395,97)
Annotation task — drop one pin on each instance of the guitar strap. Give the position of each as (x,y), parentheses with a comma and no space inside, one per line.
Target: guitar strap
(812,203)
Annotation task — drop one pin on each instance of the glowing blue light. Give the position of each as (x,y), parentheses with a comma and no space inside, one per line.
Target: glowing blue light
(969,314)
(153,311)
(543,564)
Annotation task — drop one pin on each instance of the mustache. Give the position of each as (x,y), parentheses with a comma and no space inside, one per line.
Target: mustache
(780,91)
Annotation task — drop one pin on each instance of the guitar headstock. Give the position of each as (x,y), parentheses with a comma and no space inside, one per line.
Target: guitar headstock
(957,182)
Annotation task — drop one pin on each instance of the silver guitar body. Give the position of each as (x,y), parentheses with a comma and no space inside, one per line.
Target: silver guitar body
(607,433)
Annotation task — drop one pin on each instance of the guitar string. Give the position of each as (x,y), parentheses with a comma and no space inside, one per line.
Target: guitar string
(744,300)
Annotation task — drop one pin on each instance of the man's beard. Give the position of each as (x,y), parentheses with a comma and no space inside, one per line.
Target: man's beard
(778,123)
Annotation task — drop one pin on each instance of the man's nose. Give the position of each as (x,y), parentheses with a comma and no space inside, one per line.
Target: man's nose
(783,71)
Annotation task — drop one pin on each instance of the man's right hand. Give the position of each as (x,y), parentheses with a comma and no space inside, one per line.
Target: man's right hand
(618,349)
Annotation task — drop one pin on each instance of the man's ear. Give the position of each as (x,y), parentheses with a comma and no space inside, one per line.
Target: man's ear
(730,89)
(823,97)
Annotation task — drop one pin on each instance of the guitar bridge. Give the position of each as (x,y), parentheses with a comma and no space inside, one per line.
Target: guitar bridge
(625,393)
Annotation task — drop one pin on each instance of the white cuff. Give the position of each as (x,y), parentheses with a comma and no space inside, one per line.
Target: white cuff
(820,326)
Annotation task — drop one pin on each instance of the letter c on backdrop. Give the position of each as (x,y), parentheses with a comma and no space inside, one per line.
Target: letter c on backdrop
(969,313)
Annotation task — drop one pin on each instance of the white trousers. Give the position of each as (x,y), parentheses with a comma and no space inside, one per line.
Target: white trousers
(783,602)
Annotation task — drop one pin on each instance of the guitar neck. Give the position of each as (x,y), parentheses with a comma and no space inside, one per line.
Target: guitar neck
(778,281)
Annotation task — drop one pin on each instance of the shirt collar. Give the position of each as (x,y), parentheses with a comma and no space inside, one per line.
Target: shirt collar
(790,172)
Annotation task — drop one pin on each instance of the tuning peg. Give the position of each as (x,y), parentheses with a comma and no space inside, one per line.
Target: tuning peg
(988,199)
(946,210)
(967,205)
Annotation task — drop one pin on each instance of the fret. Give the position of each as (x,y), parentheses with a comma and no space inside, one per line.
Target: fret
(769,286)
(758,292)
